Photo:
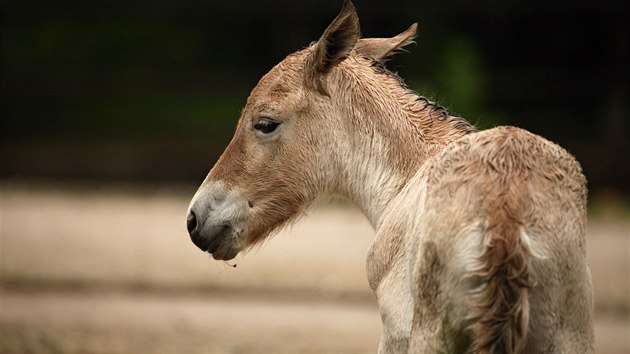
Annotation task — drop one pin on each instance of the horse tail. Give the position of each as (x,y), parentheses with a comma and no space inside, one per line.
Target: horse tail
(501,302)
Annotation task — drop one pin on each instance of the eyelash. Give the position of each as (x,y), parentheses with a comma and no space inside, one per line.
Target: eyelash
(266,125)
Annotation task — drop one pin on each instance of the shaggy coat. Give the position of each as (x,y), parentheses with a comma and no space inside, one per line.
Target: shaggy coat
(479,243)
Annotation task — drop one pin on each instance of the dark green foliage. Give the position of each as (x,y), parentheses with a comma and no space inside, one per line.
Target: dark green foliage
(175,73)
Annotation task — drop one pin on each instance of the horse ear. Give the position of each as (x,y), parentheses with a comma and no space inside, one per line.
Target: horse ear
(381,48)
(336,43)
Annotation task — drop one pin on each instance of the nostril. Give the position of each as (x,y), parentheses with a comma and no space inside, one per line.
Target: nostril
(191,222)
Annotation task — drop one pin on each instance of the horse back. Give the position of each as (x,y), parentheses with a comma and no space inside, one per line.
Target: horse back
(498,247)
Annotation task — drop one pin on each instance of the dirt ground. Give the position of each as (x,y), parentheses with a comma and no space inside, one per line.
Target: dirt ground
(112,270)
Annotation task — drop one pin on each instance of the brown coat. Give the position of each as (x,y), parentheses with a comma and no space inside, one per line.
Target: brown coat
(480,235)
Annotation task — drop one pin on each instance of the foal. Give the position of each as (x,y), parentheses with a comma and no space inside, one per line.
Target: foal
(479,241)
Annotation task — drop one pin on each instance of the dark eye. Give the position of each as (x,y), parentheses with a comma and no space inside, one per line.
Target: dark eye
(265,125)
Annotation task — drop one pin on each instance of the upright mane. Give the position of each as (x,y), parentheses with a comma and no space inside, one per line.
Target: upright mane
(381,91)
(433,119)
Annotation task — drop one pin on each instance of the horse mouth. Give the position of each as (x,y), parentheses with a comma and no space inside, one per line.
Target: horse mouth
(226,255)
(217,237)
(219,241)
(223,252)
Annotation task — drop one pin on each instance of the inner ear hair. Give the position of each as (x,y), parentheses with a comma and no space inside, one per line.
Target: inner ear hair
(335,44)
(339,38)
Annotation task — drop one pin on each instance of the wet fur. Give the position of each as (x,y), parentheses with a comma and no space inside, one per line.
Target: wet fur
(479,241)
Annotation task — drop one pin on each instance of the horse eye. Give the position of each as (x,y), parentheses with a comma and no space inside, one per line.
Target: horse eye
(266,126)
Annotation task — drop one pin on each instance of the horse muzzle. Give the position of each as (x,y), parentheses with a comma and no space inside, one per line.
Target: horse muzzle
(211,221)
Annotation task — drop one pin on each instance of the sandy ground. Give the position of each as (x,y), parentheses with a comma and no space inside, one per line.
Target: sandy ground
(113,271)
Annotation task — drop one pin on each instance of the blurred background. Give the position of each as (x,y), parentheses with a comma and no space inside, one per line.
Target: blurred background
(114,111)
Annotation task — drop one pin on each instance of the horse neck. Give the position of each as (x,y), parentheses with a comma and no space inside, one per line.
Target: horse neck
(392,132)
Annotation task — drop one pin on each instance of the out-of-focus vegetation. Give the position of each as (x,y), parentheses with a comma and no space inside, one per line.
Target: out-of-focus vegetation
(151,90)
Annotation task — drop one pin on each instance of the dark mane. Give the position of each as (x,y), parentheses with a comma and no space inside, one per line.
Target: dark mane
(432,108)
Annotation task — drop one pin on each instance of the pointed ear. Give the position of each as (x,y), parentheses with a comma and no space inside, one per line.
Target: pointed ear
(335,44)
(381,48)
